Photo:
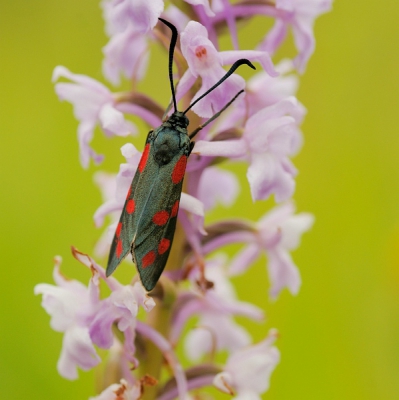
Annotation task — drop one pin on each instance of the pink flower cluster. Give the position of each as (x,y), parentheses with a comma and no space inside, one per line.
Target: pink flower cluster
(261,129)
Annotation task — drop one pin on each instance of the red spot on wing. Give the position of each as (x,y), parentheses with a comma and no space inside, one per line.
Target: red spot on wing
(144,158)
(175,209)
(160,218)
(148,259)
(179,170)
(130,206)
(119,248)
(163,245)
(118,229)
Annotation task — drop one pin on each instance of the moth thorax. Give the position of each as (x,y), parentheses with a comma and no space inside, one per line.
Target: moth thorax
(166,146)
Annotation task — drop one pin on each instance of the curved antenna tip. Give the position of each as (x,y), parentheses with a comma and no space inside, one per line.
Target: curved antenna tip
(239,62)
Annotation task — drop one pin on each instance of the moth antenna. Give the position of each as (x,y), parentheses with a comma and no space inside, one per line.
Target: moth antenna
(172,46)
(228,73)
(215,116)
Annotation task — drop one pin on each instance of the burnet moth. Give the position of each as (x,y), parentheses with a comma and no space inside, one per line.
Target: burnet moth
(148,221)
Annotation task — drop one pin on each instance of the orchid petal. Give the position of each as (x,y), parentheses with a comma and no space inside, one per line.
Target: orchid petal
(282,272)
(266,176)
(126,53)
(217,185)
(275,37)
(293,228)
(225,148)
(113,122)
(229,57)
(77,351)
(243,260)
(191,204)
(203,3)
(83,80)
(141,14)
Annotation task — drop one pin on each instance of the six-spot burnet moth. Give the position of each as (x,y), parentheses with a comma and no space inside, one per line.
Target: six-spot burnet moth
(148,221)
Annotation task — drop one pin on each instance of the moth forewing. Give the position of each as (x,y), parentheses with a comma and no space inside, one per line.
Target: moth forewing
(126,229)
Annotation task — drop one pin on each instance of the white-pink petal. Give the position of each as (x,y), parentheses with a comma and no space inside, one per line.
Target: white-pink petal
(85,136)
(125,53)
(274,37)
(191,204)
(177,17)
(106,183)
(293,228)
(203,3)
(217,185)
(288,106)
(93,103)
(216,331)
(266,175)
(225,148)
(141,112)
(113,122)
(198,50)
(229,57)
(141,14)
(105,209)
(282,272)
(276,216)
(77,351)
(83,80)
(244,259)
(186,82)
(250,368)
(64,302)
(260,137)
(287,5)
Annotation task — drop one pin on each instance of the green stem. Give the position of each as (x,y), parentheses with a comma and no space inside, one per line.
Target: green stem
(160,319)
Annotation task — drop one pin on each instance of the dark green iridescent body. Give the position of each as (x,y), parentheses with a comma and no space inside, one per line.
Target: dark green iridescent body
(148,220)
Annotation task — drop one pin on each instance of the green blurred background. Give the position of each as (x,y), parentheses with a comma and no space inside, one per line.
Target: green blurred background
(340,335)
